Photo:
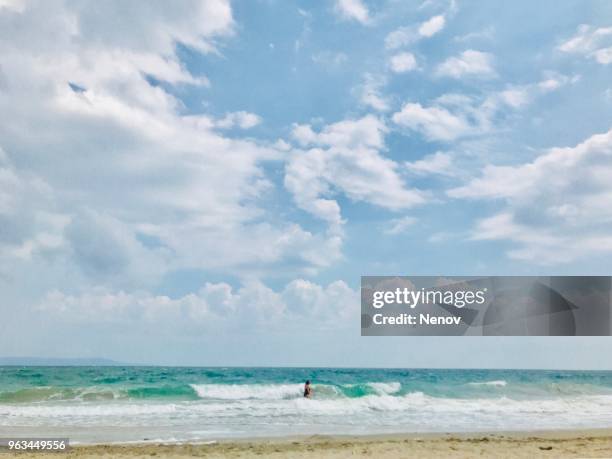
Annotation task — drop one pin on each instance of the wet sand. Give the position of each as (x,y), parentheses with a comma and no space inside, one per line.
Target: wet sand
(557,444)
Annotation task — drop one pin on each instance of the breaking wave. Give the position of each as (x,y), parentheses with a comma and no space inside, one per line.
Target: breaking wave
(496,383)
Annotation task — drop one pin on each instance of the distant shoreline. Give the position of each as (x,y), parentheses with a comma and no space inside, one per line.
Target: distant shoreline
(59,362)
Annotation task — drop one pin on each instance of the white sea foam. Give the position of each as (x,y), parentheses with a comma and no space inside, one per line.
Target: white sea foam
(85,410)
(383,388)
(223,410)
(496,383)
(415,403)
(283,391)
(248,391)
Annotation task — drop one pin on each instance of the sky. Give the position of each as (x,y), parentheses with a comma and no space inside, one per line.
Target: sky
(204,182)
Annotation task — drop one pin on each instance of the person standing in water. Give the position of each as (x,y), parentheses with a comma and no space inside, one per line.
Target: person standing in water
(307,389)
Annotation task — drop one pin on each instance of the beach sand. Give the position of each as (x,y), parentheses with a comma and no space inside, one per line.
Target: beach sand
(577,444)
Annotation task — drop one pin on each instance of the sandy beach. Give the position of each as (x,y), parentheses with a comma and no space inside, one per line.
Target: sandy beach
(576,444)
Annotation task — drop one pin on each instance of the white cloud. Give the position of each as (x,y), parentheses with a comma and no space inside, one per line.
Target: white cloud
(594,43)
(401,37)
(437,163)
(406,35)
(549,84)
(108,250)
(354,10)
(603,55)
(13,5)
(515,97)
(485,34)
(241,119)
(553,81)
(403,62)
(365,132)
(539,246)
(399,225)
(454,116)
(370,93)
(345,157)
(115,157)
(432,26)
(29,219)
(435,123)
(468,63)
(216,306)
(558,207)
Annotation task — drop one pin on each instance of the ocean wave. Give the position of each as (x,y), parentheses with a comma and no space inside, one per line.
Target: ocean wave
(95,393)
(195,403)
(496,383)
(195,391)
(291,391)
(77,411)
(248,391)
(569,389)
(382,388)
(414,405)
(49,393)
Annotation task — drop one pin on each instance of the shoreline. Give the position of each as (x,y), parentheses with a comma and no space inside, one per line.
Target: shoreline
(571,432)
(528,444)
(543,434)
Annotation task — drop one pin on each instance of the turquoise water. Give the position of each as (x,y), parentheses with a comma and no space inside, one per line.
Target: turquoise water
(93,404)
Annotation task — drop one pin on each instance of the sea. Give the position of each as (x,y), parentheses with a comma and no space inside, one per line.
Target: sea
(194,404)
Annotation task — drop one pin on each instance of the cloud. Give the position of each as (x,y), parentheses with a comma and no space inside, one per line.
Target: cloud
(29,220)
(353,10)
(367,132)
(345,157)
(399,225)
(455,116)
(432,26)
(13,5)
(591,42)
(119,186)
(550,84)
(557,206)
(401,36)
(403,62)
(435,123)
(438,163)
(468,63)
(108,250)
(241,119)
(515,97)
(214,307)
(485,34)
(370,94)
(406,35)
(604,55)
(553,81)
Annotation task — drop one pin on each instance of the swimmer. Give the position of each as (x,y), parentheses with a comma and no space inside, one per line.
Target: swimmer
(307,389)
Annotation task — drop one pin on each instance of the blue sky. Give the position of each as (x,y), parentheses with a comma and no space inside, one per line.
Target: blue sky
(204,182)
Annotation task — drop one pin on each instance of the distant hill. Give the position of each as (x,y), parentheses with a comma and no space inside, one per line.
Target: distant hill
(59,362)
